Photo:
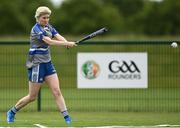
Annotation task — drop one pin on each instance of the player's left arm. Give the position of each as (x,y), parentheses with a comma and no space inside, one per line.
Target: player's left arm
(56,35)
(59,37)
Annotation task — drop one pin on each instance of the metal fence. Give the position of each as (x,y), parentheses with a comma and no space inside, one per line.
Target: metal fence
(162,94)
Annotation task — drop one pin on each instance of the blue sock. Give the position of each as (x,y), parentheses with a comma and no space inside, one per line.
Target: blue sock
(14,110)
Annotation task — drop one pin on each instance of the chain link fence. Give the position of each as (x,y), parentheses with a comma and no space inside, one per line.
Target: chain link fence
(162,94)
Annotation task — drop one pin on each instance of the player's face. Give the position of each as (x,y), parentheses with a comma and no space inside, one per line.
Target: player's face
(44,19)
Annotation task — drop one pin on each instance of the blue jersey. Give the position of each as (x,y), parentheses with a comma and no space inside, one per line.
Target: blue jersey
(39,51)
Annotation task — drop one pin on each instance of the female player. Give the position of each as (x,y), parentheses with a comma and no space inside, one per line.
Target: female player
(40,67)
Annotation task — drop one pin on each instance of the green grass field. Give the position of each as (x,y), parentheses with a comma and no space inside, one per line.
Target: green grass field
(142,107)
(91,119)
(102,100)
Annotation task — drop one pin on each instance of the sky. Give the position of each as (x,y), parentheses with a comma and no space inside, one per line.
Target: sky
(58,2)
(157,0)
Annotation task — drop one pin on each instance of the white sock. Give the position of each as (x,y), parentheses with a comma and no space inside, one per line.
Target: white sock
(65,113)
(13,109)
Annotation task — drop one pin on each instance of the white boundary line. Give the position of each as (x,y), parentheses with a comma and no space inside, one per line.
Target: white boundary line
(17,127)
(153,126)
(167,125)
(40,126)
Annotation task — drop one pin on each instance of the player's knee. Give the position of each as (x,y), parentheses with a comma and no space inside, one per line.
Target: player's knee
(56,93)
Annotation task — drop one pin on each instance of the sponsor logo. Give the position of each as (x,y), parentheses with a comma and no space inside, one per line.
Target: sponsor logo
(124,70)
(90,70)
(116,66)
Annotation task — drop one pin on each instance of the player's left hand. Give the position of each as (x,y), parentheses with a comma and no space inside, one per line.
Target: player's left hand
(70,44)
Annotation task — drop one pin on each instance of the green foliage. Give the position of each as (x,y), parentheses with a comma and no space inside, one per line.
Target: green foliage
(84,16)
(127,8)
(77,16)
(17,16)
(160,18)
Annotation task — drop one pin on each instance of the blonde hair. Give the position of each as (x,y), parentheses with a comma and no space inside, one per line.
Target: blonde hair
(41,11)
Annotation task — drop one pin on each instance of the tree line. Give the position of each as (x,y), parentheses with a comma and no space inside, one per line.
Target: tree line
(75,17)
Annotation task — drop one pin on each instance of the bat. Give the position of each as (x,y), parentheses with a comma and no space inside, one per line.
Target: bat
(92,35)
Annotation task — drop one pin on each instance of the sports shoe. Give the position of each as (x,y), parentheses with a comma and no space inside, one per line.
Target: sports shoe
(10,116)
(67,119)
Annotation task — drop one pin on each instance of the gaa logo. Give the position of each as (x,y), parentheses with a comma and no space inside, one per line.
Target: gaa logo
(118,66)
(90,70)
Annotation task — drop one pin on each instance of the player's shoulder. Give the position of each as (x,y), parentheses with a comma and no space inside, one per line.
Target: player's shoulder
(50,26)
(36,28)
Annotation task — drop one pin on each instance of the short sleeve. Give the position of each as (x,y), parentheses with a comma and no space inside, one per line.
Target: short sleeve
(54,31)
(38,33)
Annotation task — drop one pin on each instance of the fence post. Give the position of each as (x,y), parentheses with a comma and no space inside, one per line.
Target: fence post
(39,101)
